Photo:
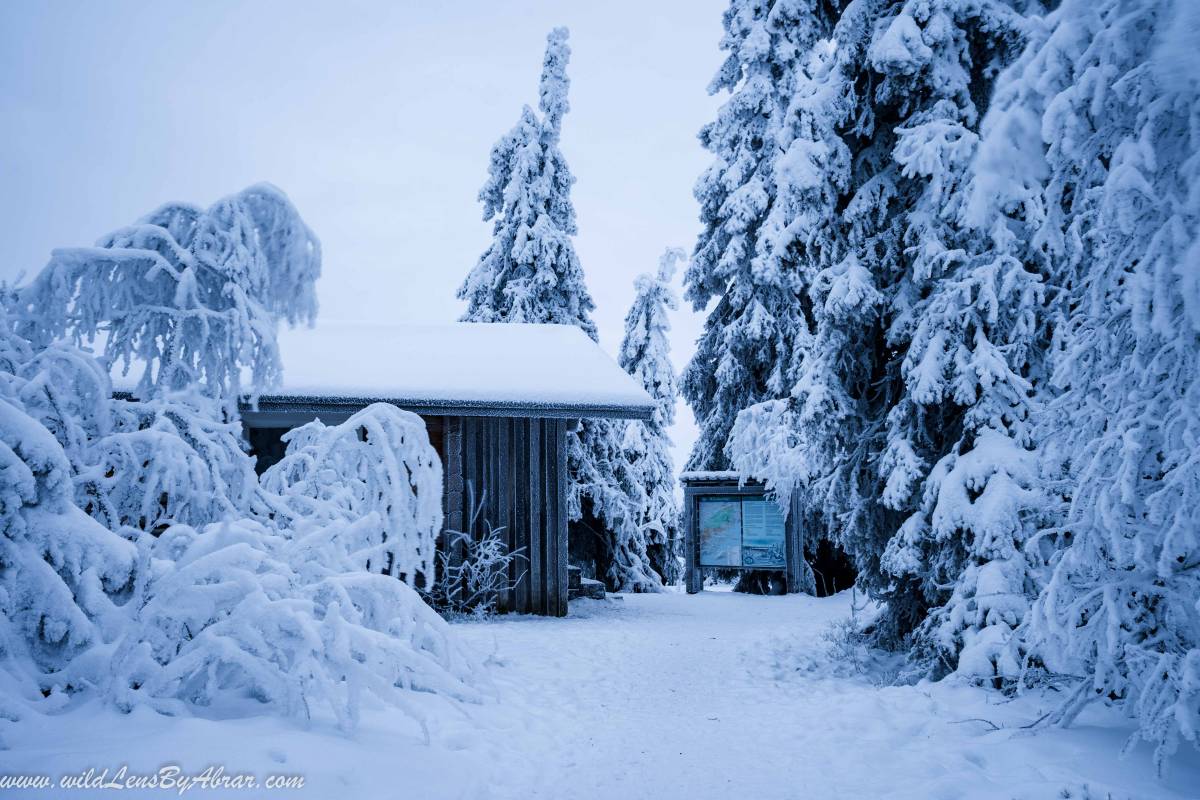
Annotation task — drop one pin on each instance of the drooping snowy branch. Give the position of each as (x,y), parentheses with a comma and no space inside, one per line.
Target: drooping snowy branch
(190,298)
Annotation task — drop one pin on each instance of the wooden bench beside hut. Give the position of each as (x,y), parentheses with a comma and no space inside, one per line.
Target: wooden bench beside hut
(498,402)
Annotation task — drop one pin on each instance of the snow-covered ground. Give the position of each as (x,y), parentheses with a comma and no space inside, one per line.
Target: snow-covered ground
(645,696)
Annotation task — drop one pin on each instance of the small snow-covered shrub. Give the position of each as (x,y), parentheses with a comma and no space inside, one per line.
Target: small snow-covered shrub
(844,650)
(311,604)
(848,644)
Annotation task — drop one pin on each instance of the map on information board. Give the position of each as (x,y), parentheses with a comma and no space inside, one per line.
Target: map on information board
(720,532)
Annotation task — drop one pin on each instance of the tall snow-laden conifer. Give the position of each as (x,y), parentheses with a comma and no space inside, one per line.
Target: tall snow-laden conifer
(959,456)
(747,348)
(994,407)
(530,273)
(880,127)
(606,489)
(646,355)
(1093,156)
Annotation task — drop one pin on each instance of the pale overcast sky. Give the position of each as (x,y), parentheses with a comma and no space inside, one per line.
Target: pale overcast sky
(375,117)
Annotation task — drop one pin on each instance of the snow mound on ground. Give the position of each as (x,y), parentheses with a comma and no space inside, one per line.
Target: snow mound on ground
(235,614)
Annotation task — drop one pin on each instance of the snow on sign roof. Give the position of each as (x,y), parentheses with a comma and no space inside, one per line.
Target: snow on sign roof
(712,475)
(518,369)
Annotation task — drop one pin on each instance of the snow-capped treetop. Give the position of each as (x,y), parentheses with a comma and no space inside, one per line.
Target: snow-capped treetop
(553,88)
(645,350)
(530,272)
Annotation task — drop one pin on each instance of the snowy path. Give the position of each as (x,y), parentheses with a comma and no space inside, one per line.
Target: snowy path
(653,697)
(696,697)
(669,696)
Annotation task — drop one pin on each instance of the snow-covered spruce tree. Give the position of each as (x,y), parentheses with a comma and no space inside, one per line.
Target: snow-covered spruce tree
(880,126)
(62,574)
(1094,143)
(646,355)
(960,444)
(605,488)
(747,349)
(530,273)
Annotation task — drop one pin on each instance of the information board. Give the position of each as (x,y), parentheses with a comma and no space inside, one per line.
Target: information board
(741,532)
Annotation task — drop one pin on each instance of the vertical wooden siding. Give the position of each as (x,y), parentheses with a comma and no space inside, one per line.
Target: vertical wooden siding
(515,468)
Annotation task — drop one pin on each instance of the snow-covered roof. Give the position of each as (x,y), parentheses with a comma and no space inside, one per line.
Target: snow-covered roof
(458,368)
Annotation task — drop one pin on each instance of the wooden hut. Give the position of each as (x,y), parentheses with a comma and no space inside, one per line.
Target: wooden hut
(498,402)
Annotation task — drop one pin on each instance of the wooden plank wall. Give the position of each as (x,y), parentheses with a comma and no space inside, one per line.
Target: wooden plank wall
(516,467)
